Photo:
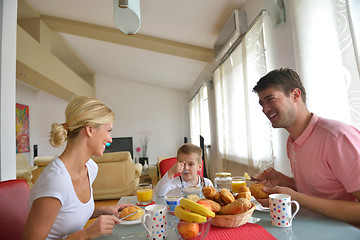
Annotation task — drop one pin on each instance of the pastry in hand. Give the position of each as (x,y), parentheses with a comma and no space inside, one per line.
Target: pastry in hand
(226,196)
(257,191)
(244,192)
(128,210)
(210,193)
(238,206)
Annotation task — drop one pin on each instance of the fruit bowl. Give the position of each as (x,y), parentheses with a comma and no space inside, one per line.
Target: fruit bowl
(190,231)
(232,221)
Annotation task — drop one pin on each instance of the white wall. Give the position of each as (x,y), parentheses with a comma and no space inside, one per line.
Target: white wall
(141,107)
(138,107)
(44,109)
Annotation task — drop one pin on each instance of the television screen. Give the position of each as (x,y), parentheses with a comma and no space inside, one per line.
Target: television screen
(121,144)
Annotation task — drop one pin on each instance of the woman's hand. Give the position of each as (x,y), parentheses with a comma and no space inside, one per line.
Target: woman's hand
(110,210)
(101,226)
(116,209)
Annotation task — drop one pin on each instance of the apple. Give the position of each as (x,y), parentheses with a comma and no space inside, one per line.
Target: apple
(205,203)
(188,230)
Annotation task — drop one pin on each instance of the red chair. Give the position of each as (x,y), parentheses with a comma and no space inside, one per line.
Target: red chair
(167,163)
(14,208)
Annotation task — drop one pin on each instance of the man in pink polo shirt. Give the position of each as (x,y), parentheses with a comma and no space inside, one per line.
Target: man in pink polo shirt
(324,154)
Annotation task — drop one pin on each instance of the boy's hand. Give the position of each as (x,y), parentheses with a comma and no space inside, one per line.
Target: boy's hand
(178,167)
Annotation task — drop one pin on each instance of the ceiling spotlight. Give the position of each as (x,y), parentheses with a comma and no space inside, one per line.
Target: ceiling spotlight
(23,74)
(127,15)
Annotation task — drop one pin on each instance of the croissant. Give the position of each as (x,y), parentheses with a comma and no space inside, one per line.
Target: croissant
(238,206)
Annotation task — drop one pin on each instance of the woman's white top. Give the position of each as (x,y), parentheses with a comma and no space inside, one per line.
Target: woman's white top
(55,181)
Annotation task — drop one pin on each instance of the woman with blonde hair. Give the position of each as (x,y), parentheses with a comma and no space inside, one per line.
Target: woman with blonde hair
(62,198)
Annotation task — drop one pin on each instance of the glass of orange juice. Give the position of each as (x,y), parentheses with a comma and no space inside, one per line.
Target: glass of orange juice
(144,194)
(237,183)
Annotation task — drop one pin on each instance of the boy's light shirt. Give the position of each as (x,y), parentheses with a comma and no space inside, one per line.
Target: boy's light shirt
(166,184)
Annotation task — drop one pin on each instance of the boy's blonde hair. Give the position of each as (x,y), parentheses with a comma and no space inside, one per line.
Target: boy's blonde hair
(189,148)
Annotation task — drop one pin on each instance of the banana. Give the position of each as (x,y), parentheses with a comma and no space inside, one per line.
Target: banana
(181,213)
(196,208)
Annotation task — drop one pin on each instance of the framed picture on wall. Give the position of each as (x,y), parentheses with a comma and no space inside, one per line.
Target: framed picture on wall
(22,128)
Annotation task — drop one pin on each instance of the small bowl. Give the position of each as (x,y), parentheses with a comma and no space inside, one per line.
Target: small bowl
(193,190)
(203,228)
(172,202)
(232,221)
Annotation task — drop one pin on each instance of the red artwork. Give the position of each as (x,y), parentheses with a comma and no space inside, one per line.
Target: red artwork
(22,129)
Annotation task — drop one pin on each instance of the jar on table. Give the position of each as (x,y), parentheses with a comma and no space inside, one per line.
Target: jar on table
(223,180)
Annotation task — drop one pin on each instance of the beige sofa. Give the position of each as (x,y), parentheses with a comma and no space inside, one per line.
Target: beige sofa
(24,170)
(118,175)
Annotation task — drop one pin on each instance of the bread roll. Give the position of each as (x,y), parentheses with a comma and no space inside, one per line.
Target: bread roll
(210,193)
(257,191)
(244,192)
(238,206)
(214,205)
(226,196)
(128,210)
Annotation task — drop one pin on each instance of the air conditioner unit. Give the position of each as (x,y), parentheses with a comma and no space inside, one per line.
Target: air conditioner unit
(232,30)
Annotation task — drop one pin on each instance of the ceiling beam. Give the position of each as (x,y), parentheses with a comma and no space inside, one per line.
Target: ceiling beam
(38,67)
(138,40)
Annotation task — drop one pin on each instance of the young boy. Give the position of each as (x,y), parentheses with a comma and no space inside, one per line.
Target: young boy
(189,162)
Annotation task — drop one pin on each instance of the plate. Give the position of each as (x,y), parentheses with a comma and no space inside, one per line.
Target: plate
(144,205)
(124,222)
(258,206)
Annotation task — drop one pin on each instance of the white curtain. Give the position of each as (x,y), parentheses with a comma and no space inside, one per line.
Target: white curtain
(244,134)
(199,117)
(325,58)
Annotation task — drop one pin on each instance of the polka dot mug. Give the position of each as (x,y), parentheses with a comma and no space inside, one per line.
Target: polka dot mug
(280,210)
(154,222)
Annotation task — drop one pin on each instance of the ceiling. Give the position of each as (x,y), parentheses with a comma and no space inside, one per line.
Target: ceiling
(171,49)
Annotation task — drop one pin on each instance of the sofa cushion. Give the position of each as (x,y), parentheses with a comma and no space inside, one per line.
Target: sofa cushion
(113,157)
(43,160)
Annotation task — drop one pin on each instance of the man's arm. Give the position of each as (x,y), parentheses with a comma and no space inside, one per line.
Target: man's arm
(342,210)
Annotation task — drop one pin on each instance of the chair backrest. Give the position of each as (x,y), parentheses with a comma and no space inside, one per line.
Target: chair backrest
(167,163)
(14,208)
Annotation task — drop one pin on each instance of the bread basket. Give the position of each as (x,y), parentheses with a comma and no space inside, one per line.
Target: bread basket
(232,221)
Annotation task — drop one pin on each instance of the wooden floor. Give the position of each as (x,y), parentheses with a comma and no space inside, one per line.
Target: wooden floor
(100,203)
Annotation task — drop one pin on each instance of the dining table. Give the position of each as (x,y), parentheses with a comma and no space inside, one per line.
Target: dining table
(306,225)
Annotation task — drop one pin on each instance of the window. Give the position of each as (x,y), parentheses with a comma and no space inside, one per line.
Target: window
(244,133)
(327,58)
(199,117)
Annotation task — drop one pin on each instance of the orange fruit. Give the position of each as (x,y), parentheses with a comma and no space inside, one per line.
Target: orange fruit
(188,230)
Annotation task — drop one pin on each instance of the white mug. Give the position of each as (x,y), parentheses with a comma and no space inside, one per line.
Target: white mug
(154,222)
(280,210)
